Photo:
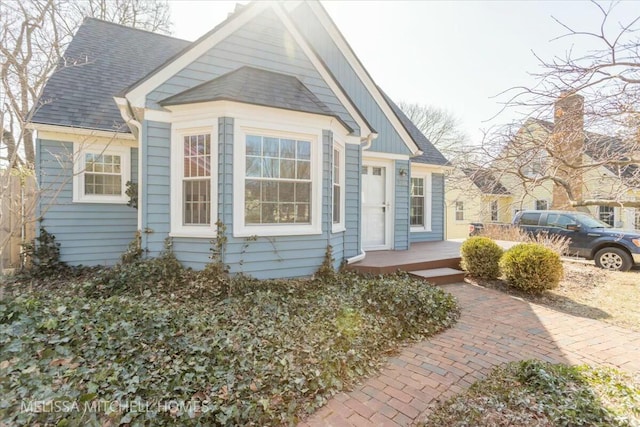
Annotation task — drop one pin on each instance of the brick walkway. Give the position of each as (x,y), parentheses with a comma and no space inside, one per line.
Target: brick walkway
(494,328)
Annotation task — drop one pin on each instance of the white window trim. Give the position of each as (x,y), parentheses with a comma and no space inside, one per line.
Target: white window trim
(491,202)
(79,151)
(338,227)
(178,132)
(455,211)
(428,195)
(535,204)
(242,128)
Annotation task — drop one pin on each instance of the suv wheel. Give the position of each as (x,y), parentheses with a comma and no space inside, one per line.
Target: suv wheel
(615,259)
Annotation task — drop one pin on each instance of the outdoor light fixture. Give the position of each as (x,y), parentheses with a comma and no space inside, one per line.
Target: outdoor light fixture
(403,172)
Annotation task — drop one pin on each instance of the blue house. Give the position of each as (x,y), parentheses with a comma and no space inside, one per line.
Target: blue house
(268,124)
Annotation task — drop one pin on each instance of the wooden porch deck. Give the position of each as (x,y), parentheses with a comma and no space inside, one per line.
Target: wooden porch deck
(432,256)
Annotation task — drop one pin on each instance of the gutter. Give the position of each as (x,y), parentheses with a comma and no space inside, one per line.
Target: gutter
(127,114)
(366,144)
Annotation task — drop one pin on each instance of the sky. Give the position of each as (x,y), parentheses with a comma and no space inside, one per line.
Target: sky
(456,55)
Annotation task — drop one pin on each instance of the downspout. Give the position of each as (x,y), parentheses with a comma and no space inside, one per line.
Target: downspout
(130,120)
(365,144)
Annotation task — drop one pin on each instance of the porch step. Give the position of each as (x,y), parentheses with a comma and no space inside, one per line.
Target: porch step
(440,276)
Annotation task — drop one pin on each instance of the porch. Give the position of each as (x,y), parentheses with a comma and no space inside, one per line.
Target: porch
(436,262)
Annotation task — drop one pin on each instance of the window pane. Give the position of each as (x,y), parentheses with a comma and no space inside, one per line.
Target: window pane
(304,150)
(287,192)
(197,202)
(254,166)
(417,210)
(336,166)
(269,191)
(287,169)
(254,145)
(288,148)
(271,147)
(417,186)
(270,168)
(197,156)
(336,204)
(304,170)
(303,192)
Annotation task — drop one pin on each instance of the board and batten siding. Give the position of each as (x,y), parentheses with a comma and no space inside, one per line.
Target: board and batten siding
(388,141)
(260,257)
(88,233)
(437,213)
(262,43)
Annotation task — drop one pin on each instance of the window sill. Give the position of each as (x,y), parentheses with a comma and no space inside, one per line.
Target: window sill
(420,230)
(338,228)
(208,233)
(102,201)
(273,231)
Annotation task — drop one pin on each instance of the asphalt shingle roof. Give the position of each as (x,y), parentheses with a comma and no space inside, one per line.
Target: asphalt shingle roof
(486,182)
(258,87)
(101,60)
(430,153)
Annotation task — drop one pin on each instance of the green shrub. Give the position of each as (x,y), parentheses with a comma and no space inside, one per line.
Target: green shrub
(531,267)
(481,257)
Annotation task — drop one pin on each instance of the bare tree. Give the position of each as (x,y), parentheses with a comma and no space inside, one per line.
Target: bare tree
(442,128)
(33,36)
(583,135)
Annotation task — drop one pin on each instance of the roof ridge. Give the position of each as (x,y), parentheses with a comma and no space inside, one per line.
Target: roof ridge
(104,21)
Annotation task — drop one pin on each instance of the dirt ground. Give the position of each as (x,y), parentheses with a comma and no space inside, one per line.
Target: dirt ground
(588,291)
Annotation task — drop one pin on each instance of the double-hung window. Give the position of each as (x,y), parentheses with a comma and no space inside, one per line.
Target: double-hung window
(493,209)
(277,181)
(420,203)
(193,172)
(337,183)
(196,180)
(459,211)
(607,214)
(101,173)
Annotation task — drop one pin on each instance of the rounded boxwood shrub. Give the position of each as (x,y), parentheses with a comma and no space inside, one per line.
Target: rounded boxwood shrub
(481,257)
(531,267)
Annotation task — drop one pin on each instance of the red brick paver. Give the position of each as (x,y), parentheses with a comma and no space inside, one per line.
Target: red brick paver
(494,328)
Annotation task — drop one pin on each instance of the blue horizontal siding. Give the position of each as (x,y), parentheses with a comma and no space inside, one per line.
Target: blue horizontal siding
(263,43)
(401,214)
(88,233)
(388,141)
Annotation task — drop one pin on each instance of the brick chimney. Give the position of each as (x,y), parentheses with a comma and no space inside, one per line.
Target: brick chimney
(567,142)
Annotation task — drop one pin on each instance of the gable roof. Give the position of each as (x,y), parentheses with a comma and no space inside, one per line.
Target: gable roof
(101,60)
(258,87)
(599,147)
(430,154)
(364,76)
(486,182)
(136,92)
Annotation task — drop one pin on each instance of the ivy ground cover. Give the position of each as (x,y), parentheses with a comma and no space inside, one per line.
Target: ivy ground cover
(226,352)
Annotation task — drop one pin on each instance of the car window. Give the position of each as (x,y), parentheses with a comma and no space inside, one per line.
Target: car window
(530,218)
(559,220)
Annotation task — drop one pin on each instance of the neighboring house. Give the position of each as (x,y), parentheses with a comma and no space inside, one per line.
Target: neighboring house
(474,195)
(526,159)
(268,124)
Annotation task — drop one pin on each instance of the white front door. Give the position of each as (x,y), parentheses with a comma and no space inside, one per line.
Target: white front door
(375,207)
